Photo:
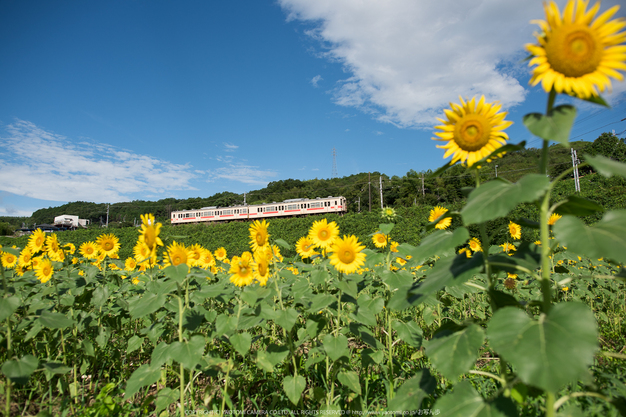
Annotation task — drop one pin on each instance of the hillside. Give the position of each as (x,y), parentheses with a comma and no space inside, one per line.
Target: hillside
(414,188)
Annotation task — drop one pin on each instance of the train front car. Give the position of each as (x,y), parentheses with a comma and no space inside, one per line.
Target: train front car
(209,214)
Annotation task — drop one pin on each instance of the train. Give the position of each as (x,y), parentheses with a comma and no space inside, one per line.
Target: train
(289,208)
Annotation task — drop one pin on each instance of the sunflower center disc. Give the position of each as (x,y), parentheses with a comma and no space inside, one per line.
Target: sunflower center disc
(348,257)
(324,234)
(574,50)
(472,132)
(260,239)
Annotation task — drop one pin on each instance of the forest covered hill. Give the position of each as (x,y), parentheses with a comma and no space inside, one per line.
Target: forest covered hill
(362,191)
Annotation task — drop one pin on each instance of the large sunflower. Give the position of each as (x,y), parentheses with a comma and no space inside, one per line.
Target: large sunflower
(37,241)
(323,233)
(305,247)
(346,254)
(8,260)
(25,257)
(380,240)
(472,130)
(261,267)
(89,250)
(577,54)
(108,244)
(149,233)
(44,270)
(220,254)
(437,212)
(258,235)
(242,270)
(177,254)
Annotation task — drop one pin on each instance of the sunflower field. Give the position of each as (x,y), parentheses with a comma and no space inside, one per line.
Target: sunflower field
(453,325)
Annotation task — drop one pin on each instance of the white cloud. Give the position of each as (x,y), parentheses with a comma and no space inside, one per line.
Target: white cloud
(378,132)
(316,80)
(43,165)
(408,59)
(229,147)
(242,173)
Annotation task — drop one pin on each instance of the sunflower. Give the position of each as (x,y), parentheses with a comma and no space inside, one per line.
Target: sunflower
(242,270)
(466,251)
(44,270)
(553,219)
(475,245)
(515,230)
(220,254)
(207,260)
(70,248)
(130,264)
(53,248)
(437,212)
(195,252)
(323,233)
(508,248)
(388,213)
(25,258)
(261,268)
(108,244)
(258,235)
(37,241)
(380,240)
(305,247)
(177,254)
(8,260)
(141,253)
(89,250)
(472,130)
(394,246)
(276,255)
(346,254)
(576,54)
(149,233)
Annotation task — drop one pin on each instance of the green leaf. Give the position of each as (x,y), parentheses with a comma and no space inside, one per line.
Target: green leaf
(319,302)
(55,368)
(165,397)
(594,99)
(336,346)
(578,206)
(147,304)
(497,198)
(410,332)
(411,394)
(267,359)
(397,280)
(282,244)
(606,166)
(134,343)
(287,319)
(189,353)
(8,306)
(465,401)
(370,356)
(607,238)
(435,244)
(225,325)
(100,296)
(351,380)
(146,374)
(160,354)
(20,370)
(555,126)
(386,228)
(177,273)
(293,387)
(454,353)
(241,342)
(550,352)
(55,320)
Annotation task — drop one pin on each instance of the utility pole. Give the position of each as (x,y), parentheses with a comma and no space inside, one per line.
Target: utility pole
(359,204)
(575,163)
(369,186)
(381,191)
(107,215)
(423,191)
(496,170)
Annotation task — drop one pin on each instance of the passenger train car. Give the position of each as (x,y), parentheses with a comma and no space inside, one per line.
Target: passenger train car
(288,208)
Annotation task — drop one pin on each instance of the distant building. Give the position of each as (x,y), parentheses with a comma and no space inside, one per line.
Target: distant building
(68,221)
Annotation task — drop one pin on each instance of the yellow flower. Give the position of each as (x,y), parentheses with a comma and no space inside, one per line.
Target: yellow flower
(466,251)
(475,245)
(380,240)
(195,254)
(141,252)
(108,244)
(220,254)
(8,260)
(515,230)
(388,213)
(323,233)
(437,212)
(242,270)
(553,219)
(305,247)
(69,247)
(538,242)
(565,288)
(508,248)
(207,260)
(89,250)
(472,130)
(394,246)
(130,264)
(37,241)
(261,268)
(177,254)
(258,235)
(44,270)
(510,275)
(149,233)
(346,254)
(53,249)
(576,54)
(25,257)
(401,261)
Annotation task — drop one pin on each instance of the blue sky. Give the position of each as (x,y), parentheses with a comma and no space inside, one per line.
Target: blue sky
(123,100)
